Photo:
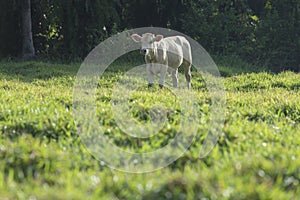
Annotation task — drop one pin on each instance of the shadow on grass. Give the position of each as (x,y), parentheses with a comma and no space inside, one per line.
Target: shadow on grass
(30,71)
(33,70)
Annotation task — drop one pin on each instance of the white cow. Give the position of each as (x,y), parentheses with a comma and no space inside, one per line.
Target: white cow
(165,55)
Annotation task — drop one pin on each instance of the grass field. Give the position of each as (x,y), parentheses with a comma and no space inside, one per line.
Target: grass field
(41,157)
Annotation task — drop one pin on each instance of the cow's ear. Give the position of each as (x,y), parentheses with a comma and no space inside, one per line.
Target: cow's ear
(136,37)
(158,38)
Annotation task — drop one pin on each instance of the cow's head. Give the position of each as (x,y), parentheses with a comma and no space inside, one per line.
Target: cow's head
(147,41)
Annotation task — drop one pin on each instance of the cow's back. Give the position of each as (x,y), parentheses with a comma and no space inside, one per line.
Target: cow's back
(186,47)
(175,49)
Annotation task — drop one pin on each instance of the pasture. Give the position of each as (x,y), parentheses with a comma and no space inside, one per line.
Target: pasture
(41,156)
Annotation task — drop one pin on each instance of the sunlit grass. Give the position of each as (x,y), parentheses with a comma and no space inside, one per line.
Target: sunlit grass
(256,157)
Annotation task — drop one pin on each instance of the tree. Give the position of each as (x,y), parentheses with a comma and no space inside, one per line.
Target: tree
(27,41)
(10,34)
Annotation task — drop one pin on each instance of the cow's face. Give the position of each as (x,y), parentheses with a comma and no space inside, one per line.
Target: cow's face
(147,41)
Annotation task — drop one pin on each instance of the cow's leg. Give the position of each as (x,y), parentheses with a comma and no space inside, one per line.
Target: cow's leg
(163,73)
(175,77)
(187,72)
(150,74)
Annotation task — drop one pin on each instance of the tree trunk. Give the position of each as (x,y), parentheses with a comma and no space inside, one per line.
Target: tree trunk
(28,51)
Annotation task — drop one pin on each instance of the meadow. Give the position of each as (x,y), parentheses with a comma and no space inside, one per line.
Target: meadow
(42,157)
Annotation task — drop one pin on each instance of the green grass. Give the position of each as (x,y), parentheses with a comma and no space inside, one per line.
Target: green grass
(41,156)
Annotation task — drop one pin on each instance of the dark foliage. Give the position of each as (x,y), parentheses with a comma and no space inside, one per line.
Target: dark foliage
(262,32)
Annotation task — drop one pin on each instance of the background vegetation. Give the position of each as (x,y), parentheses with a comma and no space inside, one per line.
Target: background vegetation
(264,32)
